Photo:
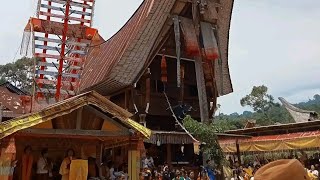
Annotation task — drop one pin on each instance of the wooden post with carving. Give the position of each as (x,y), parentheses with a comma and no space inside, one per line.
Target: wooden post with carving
(202,94)
(134,159)
(1,112)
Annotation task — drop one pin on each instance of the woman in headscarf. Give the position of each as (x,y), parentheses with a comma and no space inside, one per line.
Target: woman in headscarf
(65,165)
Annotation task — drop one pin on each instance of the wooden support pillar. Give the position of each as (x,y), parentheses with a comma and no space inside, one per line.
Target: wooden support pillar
(99,153)
(238,151)
(169,155)
(182,84)
(8,158)
(148,91)
(202,94)
(79,118)
(126,100)
(134,160)
(1,112)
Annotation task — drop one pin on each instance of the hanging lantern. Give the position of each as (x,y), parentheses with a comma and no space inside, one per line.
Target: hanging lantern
(182,149)
(196,148)
(90,32)
(164,73)
(143,119)
(158,143)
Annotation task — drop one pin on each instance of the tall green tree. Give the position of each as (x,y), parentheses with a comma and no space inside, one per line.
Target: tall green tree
(19,73)
(258,99)
(206,133)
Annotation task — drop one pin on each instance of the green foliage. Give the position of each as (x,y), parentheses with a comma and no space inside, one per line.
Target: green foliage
(311,105)
(258,99)
(18,73)
(206,133)
(223,122)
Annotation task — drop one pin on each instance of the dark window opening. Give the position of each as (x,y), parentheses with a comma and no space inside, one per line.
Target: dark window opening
(159,87)
(193,90)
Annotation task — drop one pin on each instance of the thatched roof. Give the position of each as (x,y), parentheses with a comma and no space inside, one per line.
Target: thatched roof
(120,61)
(68,106)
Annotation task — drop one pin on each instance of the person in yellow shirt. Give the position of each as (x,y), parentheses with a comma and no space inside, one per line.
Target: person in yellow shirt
(65,165)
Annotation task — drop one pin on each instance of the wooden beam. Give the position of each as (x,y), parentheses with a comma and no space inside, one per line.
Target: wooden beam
(174,57)
(238,151)
(75,132)
(185,1)
(105,117)
(79,118)
(202,94)
(1,112)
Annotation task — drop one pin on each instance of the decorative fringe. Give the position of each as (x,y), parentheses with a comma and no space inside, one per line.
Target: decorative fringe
(164,73)
(178,46)
(190,37)
(26,44)
(210,44)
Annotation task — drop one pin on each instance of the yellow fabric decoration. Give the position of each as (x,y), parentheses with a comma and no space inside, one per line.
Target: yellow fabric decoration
(78,170)
(272,145)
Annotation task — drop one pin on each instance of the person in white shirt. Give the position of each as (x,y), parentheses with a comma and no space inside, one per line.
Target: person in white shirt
(111,171)
(314,171)
(148,161)
(43,166)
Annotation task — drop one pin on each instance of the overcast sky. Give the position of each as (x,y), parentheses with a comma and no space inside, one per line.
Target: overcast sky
(272,42)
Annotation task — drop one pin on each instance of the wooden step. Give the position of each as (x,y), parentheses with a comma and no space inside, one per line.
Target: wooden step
(55,74)
(71,59)
(47,64)
(47,47)
(64,10)
(80,52)
(69,42)
(63,17)
(72,3)
(47,39)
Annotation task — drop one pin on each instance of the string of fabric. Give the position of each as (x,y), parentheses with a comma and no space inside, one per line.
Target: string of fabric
(176,119)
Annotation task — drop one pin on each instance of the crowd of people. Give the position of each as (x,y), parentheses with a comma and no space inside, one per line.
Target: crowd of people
(165,172)
(248,171)
(235,171)
(48,169)
(42,167)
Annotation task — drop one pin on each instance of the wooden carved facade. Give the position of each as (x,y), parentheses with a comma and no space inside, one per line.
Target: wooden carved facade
(177,47)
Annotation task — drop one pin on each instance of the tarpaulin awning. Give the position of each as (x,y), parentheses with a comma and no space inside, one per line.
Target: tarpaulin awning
(302,140)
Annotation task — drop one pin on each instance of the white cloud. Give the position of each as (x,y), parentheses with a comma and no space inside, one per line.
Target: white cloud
(281,44)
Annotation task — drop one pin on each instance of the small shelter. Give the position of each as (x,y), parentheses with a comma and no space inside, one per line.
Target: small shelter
(303,134)
(13,101)
(294,136)
(88,123)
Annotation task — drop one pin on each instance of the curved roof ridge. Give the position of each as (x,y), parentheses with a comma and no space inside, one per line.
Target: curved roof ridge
(117,63)
(101,60)
(292,107)
(299,115)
